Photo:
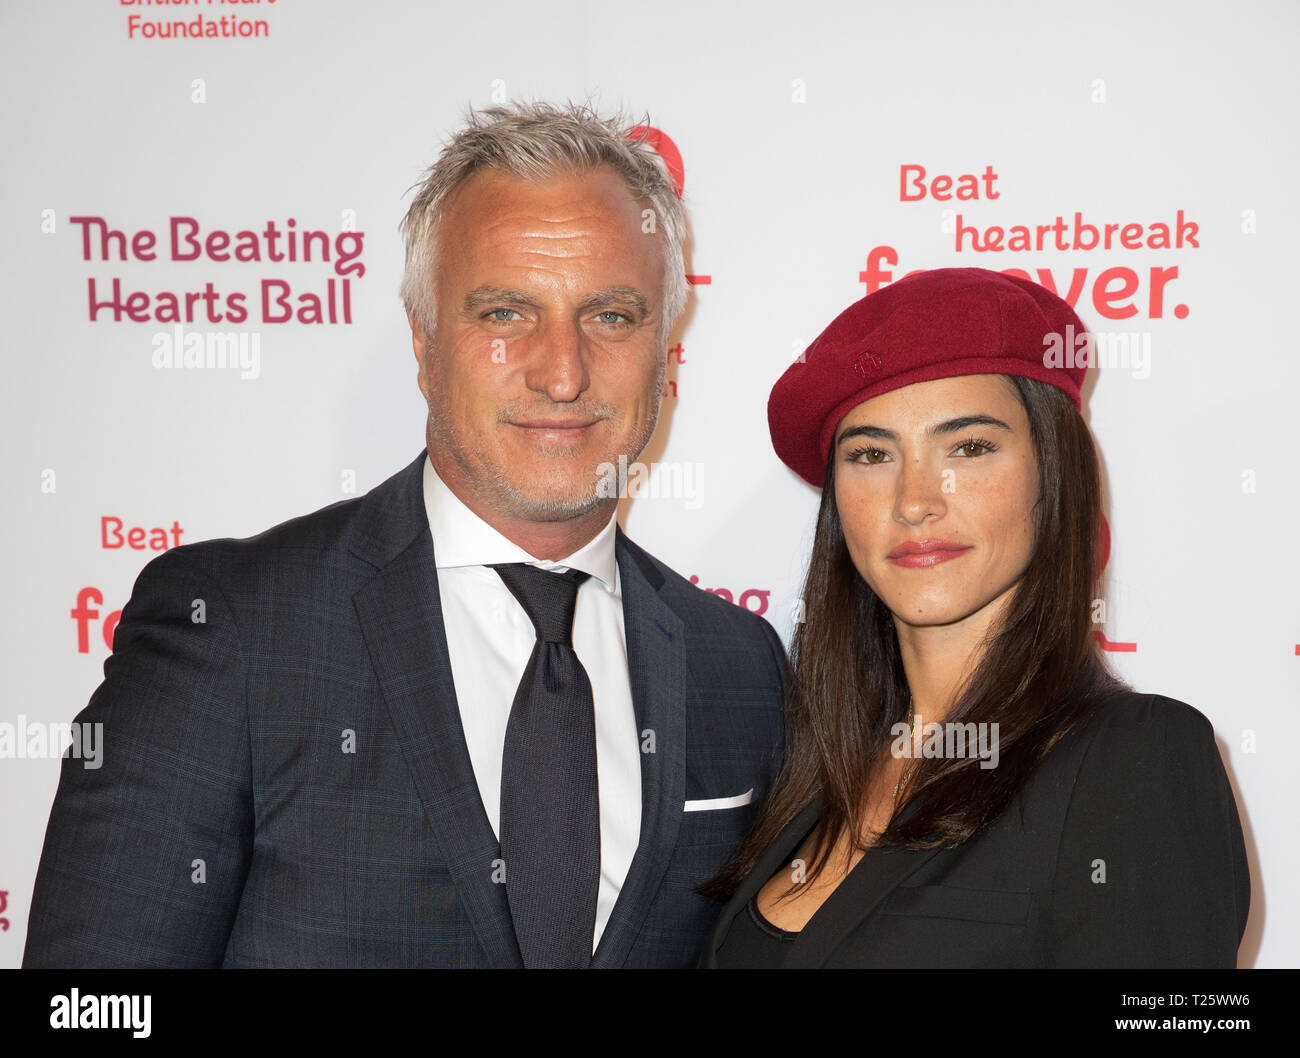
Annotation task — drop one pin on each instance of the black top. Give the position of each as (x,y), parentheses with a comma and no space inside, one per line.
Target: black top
(1124,848)
(754,943)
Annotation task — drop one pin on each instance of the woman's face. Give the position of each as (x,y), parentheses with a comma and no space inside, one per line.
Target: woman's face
(936,485)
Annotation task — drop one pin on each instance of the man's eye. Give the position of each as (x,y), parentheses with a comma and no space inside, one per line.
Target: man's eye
(611,317)
(504,315)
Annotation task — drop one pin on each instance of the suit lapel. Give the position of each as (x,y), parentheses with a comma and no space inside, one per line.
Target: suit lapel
(401,619)
(858,896)
(656,671)
(777,854)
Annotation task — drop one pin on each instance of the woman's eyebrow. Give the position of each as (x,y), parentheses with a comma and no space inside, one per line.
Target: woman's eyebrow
(964,422)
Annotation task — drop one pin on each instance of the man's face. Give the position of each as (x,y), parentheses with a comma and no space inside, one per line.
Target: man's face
(546,358)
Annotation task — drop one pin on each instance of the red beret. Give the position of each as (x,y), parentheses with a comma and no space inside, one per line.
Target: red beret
(935,324)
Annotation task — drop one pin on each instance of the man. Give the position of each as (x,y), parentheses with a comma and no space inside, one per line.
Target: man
(462,720)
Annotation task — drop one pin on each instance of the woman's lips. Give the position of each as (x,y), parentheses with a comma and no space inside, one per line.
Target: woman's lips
(920,554)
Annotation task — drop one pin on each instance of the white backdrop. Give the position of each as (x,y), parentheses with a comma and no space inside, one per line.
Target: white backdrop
(794,123)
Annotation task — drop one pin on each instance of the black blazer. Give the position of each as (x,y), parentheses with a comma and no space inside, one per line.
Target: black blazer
(226,826)
(1124,849)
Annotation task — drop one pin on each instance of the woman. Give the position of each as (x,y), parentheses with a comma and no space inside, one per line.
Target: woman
(967,785)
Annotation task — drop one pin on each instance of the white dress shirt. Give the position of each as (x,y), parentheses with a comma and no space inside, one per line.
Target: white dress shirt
(490,638)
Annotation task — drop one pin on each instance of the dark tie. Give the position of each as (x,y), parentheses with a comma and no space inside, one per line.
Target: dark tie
(550,800)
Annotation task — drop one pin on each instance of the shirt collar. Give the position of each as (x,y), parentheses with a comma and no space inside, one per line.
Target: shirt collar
(462,538)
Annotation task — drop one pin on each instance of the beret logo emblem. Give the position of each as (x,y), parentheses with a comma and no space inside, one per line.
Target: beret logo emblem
(866,363)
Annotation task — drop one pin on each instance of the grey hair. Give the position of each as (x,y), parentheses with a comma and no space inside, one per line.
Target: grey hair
(539,140)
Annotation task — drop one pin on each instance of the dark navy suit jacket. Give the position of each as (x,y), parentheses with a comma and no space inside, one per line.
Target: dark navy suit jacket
(227,826)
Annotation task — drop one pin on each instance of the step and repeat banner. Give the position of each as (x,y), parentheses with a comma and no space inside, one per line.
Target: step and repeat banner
(203,335)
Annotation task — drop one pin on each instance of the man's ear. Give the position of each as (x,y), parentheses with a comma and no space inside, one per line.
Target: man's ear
(418,346)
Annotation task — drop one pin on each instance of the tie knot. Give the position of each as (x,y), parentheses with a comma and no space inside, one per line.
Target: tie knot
(548,599)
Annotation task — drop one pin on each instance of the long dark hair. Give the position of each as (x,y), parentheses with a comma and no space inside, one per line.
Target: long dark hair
(1040,672)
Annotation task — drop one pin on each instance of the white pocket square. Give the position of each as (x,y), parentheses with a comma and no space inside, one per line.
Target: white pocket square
(712,804)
